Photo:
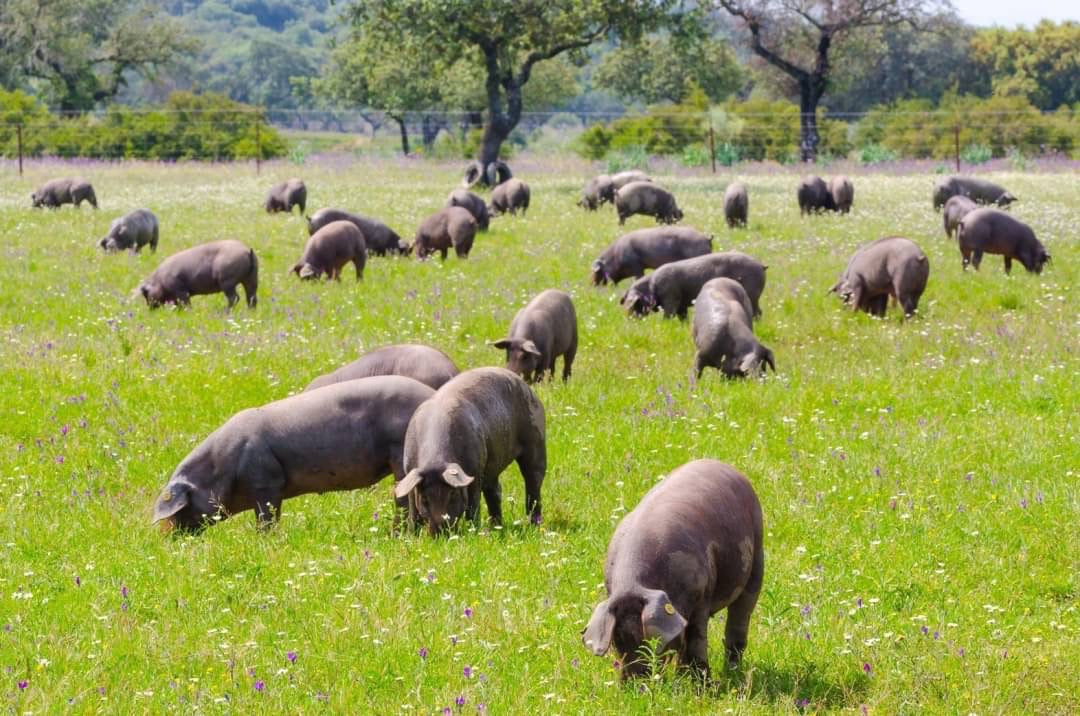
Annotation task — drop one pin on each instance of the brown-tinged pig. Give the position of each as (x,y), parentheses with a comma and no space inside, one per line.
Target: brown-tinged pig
(621,179)
(329,249)
(428,365)
(842,192)
(736,204)
(692,547)
(991,231)
(723,331)
(980,190)
(814,196)
(642,197)
(596,192)
(510,196)
(542,331)
(956,208)
(340,437)
(452,226)
(460,441)
(674,286)
(632,253)
(70,190)
(286,195)
(207,268)
(893,266)
(132,231)
(379,239)
(474,204)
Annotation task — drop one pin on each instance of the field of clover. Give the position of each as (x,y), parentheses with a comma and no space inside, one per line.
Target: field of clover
(919,479)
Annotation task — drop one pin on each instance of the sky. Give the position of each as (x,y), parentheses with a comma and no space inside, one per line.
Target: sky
(1010,13)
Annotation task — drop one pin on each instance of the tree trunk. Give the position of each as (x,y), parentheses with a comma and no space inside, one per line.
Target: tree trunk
(404,133)
(495,133)
(430,126)
(808,131)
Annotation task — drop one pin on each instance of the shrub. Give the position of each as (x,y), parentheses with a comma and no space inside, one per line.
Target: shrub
(695,155)
(728,154)
(632,157)
(875,154)
(976,154)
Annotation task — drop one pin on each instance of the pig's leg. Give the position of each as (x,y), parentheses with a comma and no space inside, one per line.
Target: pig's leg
(1008,264)
(696,654)
(976,258)
(493,498)
(265,479)
(533,464)
(965,256)
(231,295)
(738,612)
(359,269)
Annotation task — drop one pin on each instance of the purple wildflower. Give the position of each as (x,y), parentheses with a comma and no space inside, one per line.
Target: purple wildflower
(123,591)
(291,656)
(468,672)
(877,471)
(802,703)
(574,662)
(63,429)
(78,582)
(430,576)
(447,711)
(925,630)
(423,652)
(806,609)
(260,685)
(468,612)
(858,602)
(23,684)
(460,700)
(937,634)
(60,459)
(1023,503)
(101,690)
(866,667)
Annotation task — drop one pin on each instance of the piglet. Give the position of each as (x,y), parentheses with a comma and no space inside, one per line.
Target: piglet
(541,332)
(329,249)
(723,331)
(428,365)
(207,268)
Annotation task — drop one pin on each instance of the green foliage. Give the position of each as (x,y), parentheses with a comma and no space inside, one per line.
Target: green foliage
(594,142)
(976,154)
(876,154)
(1041,64)
(695,155)
(631,156)
(728,154)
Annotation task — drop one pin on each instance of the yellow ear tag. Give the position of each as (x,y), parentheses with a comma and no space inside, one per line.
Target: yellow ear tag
(669,608)
(166,497)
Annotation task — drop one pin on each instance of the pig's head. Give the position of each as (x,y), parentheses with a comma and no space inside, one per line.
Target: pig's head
(183,506)
(628,620)
(35,200)
(153,293)
(843,289)
(639,300)
(305,271)
(1033,258)
(439,495)
(1005,199)
(750,364)
(522,356)
(600,275)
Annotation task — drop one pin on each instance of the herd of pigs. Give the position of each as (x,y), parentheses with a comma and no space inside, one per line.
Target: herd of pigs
(446,436)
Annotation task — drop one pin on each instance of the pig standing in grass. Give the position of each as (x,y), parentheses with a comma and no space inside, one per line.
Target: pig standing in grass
(641,197)
(893,266)
(460,441)
(602,188)
(448,227)
(510,196)
(329,249)
(284,196)
(723,331)
(980,190)
(208,268)
(736,204)
(814,196)
(956,208)
(541,332)
(474,204)
(842,192)
(132,231)
(428,365)
(991,231)
(692,547)
(674,286)
(632,253)
(379,239)
(53,193)
(340,437)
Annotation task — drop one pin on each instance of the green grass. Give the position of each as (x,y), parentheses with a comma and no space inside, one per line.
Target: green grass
(919,480)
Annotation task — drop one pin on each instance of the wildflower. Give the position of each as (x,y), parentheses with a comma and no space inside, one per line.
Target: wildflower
(858,602)
(430,576)
(877,471)
(802,703)
(806,609)
(468,672)
(574,662)
(423,652)
(1023,503)
(123,592)
(925,630)
(260,685)
(23,684)
(460,700)
(101,690)
(468,612)
(291,656)
(866,668)
(60,459)
(64,430)
(78,582)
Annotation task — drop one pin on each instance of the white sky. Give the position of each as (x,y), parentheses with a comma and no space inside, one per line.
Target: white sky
(1009,13)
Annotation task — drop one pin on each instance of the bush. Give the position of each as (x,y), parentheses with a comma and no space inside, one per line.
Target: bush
(728,154)
(633,157)
(875,154)
(695,155)
(976,154)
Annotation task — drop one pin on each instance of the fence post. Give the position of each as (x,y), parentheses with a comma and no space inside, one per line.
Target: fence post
(258,146)
(956,142)
(712,145)
(18,131)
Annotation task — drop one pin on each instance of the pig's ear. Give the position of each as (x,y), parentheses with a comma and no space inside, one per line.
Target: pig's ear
(172,499)
(501,344)
(622,298)
(530,347)
(454,476)
(767,356)
(660,619)
(749,363)
(597,634)
(407,484)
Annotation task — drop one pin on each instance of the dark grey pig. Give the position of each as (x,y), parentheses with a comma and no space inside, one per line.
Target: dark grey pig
(132,231)
(448,227)
(379,239)
(460,441)
(692,547)
(71,190)
(814,196)
(642,197)
(842,192)
(286,195)
(596,192)
(474,204)
(674,286)
(340,437)
(207,268)
(956,208)
(893,266)
(632,253)
(541,332)
(329,249)
(736,204)
(428,365)
(723,331)
(979,190)
(510,196)
(990,231)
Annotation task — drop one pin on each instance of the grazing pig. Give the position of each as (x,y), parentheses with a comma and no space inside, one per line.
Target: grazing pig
(692,547)
(632,253)
(596,192)
(207,268)
(814,196)
(379,239)
(474,204)
(428,365)
(980,190)
(510,196)
(723,331)
(452,226)
(674,286)
(842,192)
(132,231)
(956,208)
(893,266)
(330,248)
(55,192)
(460,441)
(541,332)
(736,204)
(286,195)
(642,197)
(340,437)
(992,231)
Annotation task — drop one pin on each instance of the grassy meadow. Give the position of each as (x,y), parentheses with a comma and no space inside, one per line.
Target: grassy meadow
(919,480)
